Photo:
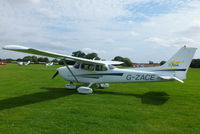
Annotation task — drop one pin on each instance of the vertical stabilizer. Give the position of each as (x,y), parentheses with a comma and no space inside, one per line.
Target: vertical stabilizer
(180,62)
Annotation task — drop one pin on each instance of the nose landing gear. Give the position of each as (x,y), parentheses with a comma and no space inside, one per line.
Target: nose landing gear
(70,86)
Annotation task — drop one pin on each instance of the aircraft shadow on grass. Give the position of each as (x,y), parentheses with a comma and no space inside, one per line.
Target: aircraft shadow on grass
(153,98)
(52,93)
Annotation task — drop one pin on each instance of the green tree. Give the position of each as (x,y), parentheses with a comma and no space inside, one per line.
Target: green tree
(27,58)
(162,63)
(150,62)
(43,59)
(55,61)
(46,59)
(118,58)
(78,54)
(92,56)
(195,63)
(8,60)
(127,61)
(34,59)
(19,59)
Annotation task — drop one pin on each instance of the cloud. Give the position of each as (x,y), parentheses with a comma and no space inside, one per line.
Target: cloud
(24,1)
(90,50)
(46,12)
(109,41)
(132,33)
(111,27)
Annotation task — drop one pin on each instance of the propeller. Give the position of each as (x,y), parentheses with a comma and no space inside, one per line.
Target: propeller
(55,75)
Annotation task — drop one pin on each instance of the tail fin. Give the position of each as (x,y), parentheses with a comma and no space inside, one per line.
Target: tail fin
(180,62)
(28,62)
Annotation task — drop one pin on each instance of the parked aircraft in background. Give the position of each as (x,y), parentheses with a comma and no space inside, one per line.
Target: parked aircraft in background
(23,63)
(49,64)
(103,72)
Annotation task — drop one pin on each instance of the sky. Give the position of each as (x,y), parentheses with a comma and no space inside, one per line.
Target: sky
(142,30)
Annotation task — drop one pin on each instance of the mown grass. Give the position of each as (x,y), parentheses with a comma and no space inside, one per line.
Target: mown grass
(31,102)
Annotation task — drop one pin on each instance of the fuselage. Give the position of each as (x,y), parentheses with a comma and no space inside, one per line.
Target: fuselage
(114,75)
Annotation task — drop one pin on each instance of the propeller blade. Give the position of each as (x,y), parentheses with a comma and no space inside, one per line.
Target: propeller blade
(55,75)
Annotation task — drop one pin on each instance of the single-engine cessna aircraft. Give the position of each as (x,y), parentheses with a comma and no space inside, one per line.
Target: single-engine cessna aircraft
(103,72)
(49,64)
(23,63)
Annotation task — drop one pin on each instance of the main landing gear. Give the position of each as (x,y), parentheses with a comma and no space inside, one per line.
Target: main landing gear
(86,90)
(82,89)
(103,85)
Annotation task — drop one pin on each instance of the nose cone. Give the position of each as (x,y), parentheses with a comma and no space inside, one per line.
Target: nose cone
(63,72)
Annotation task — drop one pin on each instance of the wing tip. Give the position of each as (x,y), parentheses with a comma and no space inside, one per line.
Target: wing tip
(14,47)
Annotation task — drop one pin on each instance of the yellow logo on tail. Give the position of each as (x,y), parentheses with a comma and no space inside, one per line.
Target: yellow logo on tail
(175,63)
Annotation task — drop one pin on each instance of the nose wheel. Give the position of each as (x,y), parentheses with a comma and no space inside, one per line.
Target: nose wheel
(70,86)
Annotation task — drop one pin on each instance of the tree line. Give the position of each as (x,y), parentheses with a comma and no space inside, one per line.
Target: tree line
(195,63)
(34,59)
(93,56)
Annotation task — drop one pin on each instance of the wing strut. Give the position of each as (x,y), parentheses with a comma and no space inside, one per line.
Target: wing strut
(70,70)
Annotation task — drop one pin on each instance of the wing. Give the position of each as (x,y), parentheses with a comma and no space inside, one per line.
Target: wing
(56,55)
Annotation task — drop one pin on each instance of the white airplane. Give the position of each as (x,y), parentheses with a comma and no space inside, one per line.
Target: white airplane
(49,64)
(23,63)
(103,72)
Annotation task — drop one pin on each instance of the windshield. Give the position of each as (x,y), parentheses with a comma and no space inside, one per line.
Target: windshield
(77,65)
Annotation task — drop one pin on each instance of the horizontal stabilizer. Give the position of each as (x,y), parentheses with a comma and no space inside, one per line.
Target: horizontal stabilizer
(171,78)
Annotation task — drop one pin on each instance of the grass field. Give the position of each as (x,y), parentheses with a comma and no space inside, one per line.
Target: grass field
(31,103)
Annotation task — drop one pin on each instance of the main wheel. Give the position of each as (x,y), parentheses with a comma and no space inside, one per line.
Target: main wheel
(85,90)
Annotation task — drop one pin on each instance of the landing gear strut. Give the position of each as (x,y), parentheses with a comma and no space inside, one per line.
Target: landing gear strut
(103,85)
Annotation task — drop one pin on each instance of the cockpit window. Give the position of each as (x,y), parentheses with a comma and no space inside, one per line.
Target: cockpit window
(87,67)
(101,68)
(77,65)
(104,68)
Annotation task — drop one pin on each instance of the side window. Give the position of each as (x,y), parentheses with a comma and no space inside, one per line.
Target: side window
(101,68)
(104,68)
(97,68)
(87,67)
(77,65)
